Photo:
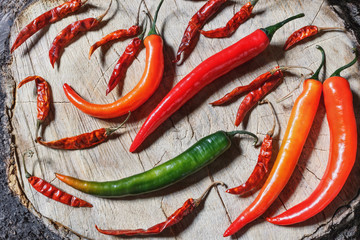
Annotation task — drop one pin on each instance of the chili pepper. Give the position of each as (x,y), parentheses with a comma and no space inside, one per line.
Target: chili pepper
(202,153)
(298,127)
(205,73)
(45,19)
(191,33)
(187,208)
(343,146)
(50,191)
(305,32)
(262,165)
(85,140)
(43,98)
(66,35)
(240,17)
(149,82)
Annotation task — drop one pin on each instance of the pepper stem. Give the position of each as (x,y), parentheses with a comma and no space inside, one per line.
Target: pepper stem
(331,29)
(269,31)
(152,29)
(138,13)
(338,71)
(253,2)
(271,132)
(142,34)
(316,74)
(110,131)
(274,70)
(83,2)
(198,200)
(27,174)
(233,133)
(100,18)
(38,123)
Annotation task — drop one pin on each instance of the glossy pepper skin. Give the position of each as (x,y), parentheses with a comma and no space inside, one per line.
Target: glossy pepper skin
(202,153)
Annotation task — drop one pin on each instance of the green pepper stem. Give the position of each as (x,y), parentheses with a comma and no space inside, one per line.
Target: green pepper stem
(233,133)
(337,72)
(198,200)
(316,74)
(109,131)
(269,31)
(142,34)
(253,2)
(152,29)
(27,174)
(138,13)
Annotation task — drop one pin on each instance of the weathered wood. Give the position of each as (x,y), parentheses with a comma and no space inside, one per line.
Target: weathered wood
(195,120)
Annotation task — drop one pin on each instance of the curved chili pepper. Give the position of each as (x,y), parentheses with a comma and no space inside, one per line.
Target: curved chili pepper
(202,153)
(66,35)
(301,118)
(50,191)
(45,19)
(240,17)
(262,165)
(205,73)
(191,33)
(149,82)
(43,98)
(303,33)
(187,208)
(343,146)
(85,140)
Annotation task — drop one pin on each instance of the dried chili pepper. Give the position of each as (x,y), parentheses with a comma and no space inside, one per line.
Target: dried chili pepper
(202,153)
(45,19)
(205,73)
(240,17)
(50,191)
(187,208)
(306,32)
(342,156)
(262,165)
(66,35)
(43,98)
(191,33)
(85,140)
(298,127)
(149,82)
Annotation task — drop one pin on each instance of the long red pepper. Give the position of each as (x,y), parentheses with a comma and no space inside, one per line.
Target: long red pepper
(343,146)
(298,128)
(206,72)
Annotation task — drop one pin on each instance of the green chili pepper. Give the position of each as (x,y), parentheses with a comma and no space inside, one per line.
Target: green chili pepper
(202,153)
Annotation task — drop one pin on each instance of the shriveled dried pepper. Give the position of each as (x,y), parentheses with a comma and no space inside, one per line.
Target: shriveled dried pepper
(43,98)
(187,208)
(45,19)
(66,35)
(191,33)
(240,17)
(85,140)
(50,191)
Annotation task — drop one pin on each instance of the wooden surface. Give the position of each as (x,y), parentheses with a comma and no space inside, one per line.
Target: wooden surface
(195,120)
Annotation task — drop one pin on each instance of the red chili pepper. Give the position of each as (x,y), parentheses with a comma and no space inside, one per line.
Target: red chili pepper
(66,35)
(343,146)
(240,17)
(50,191)
(206,72)
(191,34)
(45,19)
(43,98)
(187,208)
(262,165)
(85,140)
(305,32)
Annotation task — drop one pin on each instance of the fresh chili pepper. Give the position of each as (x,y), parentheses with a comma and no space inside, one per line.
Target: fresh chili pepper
(205,73)
(343,146)
(187,208)
(85,140)
(66,35)
(240,17)
(191,33)
(305,32)
(301,118)
(149,82)
(50,191)
(45,19)
(202,153)
(43,98)
(262,165)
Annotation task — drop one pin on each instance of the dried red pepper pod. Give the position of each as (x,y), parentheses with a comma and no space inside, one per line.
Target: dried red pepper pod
(45,19)
(50,191)
(66,35)
(43,98)
(82,141)
(240,17)
(187,208)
